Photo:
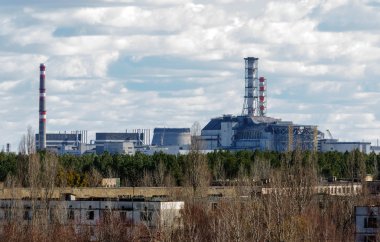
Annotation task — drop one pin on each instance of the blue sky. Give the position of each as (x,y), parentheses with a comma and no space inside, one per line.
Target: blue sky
(123,64)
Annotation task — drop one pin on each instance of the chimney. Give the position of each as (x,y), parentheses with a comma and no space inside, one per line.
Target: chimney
(42,110)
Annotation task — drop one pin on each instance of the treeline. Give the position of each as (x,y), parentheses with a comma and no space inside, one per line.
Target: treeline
(291,212)
(176,170)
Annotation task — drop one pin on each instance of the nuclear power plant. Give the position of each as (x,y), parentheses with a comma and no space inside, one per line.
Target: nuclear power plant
(251,130)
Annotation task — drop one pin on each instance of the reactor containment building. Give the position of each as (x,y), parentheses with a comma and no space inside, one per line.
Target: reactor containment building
(253,130)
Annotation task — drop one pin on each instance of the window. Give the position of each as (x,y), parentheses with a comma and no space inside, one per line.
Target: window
(70,214)
(370,238)
(7,214)
(90,215)
(123,216)
(26,215)
(146,215)
(214,206)
(370,222)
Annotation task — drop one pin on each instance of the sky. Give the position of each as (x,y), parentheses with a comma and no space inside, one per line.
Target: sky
(114,65)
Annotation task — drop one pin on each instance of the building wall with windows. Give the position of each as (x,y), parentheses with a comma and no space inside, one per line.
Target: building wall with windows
(119,142)
(333,189)
(367,222)
(153,214)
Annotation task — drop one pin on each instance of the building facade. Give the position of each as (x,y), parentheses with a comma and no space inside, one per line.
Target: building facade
(73,142)
(367,223)
(118,142)
(258,133)
(325,145)
(154,214)
(171,137)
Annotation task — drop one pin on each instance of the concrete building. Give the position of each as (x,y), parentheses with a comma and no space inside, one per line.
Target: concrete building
(73,142)
(332,188)
(258,132)
(125,147)
(111,182)
(118,142)
(325,145)
(367,221)
(170,150)
(253,130)
(171,137)
(154,213)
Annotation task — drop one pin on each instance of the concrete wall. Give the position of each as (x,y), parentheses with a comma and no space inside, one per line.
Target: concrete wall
(91,213)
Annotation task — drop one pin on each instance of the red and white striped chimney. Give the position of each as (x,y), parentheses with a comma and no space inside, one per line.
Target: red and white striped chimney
(42,110)
(262,96)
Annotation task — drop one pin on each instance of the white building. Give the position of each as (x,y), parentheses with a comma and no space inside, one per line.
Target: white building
(111,182)
(325,145)
(170,150)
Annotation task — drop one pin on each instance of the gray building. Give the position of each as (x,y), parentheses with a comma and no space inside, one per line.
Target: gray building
(367,221)
(171,137)
(258,132)
(117,142)
(73,142)
(153,213)
(124,147)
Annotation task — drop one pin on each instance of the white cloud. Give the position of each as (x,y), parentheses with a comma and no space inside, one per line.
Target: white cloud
(118,64)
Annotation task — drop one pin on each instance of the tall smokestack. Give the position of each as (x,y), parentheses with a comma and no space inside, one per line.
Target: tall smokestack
(42,111)
(262,96)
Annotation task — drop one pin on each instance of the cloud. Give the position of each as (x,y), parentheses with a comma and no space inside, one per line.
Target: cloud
(363,17)
(124,64)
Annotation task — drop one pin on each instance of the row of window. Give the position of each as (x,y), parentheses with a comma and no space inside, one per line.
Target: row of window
(90,215)
(339,190)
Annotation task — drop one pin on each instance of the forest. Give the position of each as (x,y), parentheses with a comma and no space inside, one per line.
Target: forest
(218,167)
(295,213)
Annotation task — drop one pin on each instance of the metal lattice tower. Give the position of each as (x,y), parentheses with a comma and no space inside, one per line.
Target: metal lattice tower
(251,84)
(255,98)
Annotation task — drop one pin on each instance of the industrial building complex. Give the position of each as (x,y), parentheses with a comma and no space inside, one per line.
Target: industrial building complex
(251,130)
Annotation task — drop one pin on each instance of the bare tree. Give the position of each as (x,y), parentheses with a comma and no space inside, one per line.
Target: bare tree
(94,178)
(197,173)
(27,143)
(159,174)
